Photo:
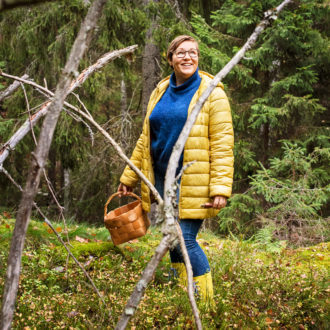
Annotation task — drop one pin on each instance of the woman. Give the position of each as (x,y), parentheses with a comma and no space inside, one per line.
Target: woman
(205,185)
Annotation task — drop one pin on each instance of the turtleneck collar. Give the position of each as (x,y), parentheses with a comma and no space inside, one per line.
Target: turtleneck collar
(190,83)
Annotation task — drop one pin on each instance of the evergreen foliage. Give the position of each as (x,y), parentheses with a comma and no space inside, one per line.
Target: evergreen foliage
(279,111)
(278,94)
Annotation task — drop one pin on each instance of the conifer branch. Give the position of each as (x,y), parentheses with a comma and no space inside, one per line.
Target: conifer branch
(10,4)
(38,162)
(176,9)
(178,148)
(30,122)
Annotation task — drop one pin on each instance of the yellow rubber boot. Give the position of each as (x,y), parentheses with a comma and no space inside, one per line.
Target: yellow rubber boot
(180,272)
(204,288)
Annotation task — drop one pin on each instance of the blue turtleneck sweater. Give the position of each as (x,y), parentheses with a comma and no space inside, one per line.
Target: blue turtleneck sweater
(166,122)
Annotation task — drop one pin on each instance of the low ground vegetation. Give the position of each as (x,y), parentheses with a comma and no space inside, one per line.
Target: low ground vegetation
(255,287)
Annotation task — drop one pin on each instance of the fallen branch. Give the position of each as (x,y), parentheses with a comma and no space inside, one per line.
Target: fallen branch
(178,148)
(44,171)
(26,127)
(169,232)
(146,277)
(11,89)
(57,235)
(38,162)
(189,278)
(104,133)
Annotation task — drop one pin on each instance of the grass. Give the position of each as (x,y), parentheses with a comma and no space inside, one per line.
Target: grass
(254,288)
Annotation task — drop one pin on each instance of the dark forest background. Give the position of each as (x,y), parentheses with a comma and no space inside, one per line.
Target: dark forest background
(279,95)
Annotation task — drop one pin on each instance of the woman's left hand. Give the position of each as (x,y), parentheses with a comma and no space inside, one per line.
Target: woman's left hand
(218,203)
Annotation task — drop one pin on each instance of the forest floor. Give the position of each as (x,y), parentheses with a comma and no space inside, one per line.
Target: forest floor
(256,286)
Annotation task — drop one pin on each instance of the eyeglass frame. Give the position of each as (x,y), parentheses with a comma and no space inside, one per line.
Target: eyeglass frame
(186,51)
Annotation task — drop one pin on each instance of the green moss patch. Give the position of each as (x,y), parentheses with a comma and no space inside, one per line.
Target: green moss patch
(254,287)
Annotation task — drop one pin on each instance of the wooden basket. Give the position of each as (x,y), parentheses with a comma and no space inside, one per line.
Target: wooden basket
(126,222)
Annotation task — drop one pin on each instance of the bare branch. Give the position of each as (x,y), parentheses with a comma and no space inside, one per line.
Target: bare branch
(57,235)
(108,137)
(44,171)
(25,128)
(160,251)
(120,152)
(190,278)
(12,88)
(38,162)
(79,119)
(146,277)
(178,148)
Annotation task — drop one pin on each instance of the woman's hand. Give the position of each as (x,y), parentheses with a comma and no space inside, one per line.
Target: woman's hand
(219,202)
(124,190)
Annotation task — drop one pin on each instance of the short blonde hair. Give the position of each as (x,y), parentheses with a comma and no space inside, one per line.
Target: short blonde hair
(176,42)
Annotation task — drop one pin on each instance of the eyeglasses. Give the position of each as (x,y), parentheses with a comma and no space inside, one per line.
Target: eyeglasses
(181,53)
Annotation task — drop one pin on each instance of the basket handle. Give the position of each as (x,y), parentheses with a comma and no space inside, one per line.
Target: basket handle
(116,194)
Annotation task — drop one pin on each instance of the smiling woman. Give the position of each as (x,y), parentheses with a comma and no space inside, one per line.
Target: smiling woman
(205,185)
(184,61)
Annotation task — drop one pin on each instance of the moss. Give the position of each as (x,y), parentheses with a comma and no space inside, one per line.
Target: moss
(254,288)
(97,249)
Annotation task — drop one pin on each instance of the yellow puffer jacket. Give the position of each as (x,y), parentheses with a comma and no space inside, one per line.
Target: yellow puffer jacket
(210,145)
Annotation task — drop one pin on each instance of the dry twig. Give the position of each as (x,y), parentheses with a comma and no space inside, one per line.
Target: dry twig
(11,89)
(25,128)
(38,162)
(57,235)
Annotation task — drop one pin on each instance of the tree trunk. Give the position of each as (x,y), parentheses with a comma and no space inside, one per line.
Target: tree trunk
(67,184)
(207,10)
(150,63)
(38,162)
(123,100)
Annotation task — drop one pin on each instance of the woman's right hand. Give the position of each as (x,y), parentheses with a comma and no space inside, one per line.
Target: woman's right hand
(124,190)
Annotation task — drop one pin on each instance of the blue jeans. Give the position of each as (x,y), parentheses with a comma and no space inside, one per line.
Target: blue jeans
(200,264)
(190,227)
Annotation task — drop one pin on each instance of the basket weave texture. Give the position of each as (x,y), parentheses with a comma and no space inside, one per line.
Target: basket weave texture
(126,222)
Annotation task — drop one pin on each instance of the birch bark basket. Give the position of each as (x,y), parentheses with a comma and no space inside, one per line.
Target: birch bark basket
(38,162)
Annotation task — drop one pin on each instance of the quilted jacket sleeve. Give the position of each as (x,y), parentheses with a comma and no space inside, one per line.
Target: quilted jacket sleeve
(129,177)
(221,137)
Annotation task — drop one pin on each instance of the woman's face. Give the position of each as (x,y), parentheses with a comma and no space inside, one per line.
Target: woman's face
(186,66)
